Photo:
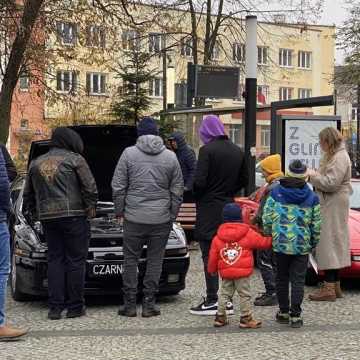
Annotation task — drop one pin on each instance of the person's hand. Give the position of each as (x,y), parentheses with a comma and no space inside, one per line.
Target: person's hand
(311,172)
(213,274)
(91,212)
(119,218)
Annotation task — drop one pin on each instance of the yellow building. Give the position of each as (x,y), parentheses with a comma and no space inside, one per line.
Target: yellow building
(294,61)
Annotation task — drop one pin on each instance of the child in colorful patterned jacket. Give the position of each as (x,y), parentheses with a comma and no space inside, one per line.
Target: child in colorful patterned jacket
(231,255)
(292,217)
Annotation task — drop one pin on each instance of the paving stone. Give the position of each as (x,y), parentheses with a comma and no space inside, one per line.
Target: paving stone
(331,330)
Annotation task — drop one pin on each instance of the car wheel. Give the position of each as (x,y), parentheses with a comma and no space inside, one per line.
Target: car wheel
(16,292)
(312,278)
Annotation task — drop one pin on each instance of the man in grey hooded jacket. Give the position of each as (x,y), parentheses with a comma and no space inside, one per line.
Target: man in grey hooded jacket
(147,190)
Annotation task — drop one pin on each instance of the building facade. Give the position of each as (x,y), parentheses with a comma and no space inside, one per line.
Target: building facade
(294,61)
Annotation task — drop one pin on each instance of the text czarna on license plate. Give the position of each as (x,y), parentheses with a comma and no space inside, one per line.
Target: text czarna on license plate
(106,269)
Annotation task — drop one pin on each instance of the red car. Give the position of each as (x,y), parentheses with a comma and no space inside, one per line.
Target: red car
(250,207)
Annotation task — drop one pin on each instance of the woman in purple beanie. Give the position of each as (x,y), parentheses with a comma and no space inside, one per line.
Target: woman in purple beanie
(221,173)
(211,128)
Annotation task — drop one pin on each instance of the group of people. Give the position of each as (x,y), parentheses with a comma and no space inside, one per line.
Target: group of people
(300,212)
(149,183)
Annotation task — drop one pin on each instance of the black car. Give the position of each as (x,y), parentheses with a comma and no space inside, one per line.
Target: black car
(104,266)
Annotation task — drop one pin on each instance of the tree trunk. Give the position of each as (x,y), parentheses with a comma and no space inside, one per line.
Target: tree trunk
(30,14)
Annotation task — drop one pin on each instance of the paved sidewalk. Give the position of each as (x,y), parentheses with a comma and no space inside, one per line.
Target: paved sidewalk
(331,331)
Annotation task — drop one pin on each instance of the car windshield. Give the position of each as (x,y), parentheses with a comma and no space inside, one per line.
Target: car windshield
(355,197)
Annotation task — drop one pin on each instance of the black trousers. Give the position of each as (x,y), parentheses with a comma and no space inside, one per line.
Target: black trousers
(68,243)
(332,276)
(266,261)
(291,268)
(212,281)
(135,237)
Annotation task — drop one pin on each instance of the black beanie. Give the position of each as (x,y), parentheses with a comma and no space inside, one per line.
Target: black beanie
(297,169)
(232,213)
(147,126)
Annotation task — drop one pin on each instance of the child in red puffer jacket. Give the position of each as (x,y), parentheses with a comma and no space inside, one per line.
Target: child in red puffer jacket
(231,255)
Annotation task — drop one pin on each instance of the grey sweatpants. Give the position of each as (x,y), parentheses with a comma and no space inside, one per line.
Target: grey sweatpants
(135,237)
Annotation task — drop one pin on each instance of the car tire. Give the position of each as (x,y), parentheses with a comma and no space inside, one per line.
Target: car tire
(16,292)
(312,278)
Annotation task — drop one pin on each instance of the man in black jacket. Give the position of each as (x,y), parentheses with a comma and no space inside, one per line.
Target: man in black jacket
(9,164)
(221,173)
(187,160)
(61,190)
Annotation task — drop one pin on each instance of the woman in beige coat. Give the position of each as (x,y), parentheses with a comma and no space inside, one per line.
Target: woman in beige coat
(332,183)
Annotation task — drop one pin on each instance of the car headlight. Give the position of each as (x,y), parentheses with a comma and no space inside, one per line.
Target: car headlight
(177,236)
(27,236)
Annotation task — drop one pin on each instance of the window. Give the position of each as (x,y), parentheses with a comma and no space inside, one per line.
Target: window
(304,59)
(263,94)
(304,93)
(67,33)
(354,113)
(95,36)
(66,81)
(285,93)
(156,87)
(216,51)
(285,57)
(180,94)
(235,134)
(24,124)
(156,43)
(96,83)
(240,93)
(130,40)
(24,82)
(239,52)
(262,55)
(265,136)
(187,47)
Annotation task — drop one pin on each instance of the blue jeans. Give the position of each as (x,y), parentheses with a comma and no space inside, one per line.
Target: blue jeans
(4,267)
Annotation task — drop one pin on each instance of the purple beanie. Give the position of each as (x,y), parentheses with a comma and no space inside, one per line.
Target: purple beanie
(211,128)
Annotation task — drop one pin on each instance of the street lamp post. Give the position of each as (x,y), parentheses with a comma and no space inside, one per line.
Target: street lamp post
(251,98)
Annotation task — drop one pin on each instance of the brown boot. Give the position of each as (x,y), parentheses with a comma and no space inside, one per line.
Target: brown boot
(325,293)
(247,322)
(7,332)
(220,320)
(338,292)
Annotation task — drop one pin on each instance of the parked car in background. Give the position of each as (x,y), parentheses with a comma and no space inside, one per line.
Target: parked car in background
(104,265)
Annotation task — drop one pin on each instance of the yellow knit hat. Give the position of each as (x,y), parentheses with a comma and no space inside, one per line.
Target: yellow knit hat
(272,166)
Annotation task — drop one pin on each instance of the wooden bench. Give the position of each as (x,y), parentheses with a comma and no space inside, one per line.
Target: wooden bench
(187,216)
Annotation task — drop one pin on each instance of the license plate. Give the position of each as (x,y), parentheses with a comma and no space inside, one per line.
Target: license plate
(104,270)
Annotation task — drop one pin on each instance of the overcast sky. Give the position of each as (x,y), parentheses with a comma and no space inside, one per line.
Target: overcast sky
(334,13)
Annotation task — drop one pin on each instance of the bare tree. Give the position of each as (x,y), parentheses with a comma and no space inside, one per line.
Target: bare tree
(30,14)
(33,26)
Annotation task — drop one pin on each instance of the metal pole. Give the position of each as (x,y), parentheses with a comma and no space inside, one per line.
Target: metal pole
(190,85)
(357,157)
(251,99)
(164,68)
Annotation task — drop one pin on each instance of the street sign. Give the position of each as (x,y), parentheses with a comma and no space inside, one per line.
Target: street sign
(217,81)
(301,138)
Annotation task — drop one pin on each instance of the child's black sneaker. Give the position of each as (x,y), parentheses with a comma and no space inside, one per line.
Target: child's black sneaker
(296,322)
(282,318)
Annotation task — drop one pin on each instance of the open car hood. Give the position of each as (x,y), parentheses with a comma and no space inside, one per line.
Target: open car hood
(103,146)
